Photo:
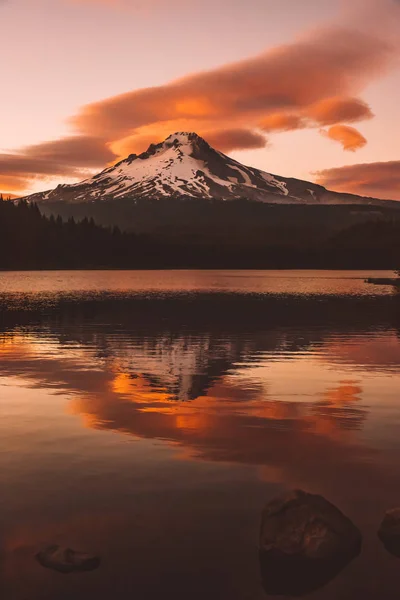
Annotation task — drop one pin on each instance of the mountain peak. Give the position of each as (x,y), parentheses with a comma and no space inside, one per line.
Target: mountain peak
(185,166)
(185,142)
(182,137)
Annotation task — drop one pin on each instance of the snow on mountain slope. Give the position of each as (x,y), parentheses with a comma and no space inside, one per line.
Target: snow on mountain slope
(185,166)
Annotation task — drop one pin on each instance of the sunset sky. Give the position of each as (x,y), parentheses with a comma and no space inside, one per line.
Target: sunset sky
(301,88)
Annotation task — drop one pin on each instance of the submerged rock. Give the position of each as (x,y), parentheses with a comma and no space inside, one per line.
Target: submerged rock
(305,541)
(66,560)
(389,531)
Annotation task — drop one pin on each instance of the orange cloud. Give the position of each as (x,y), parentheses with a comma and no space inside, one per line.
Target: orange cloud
(77,151)
(235,139)
(283,122)
(66,157)
(223,139)
(18,170)
(308,83)
(328,111)
(338,110)
(12,183)
(288,78)
(349,137)
(347,392)
(380,179)
(16,165)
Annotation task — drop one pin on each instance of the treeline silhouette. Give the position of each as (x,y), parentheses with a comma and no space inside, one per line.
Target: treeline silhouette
(31,240)
(241,221)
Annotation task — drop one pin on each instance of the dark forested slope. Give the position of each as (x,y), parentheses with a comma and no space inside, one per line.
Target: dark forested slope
(291,238)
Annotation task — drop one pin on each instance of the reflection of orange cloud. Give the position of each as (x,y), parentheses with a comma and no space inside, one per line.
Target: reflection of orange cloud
(11,347)
(212,428)
(217,418)
(122,384)
(380,179)
(195,421)
(349,137)
(376,352)
(229,410)
(236,420)
(346,392)
(137,389)
(331,416)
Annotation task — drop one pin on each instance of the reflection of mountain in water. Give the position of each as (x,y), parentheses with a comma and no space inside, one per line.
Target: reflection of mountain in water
(277,391)
(182,344)
(183,366)
(237,363)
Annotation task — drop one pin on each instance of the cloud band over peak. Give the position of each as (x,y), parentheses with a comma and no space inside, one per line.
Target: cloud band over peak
(311,83)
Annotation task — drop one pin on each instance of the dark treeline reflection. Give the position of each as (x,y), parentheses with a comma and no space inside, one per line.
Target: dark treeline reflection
(223,311)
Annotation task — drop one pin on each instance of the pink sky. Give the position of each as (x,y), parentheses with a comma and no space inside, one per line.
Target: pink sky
(262,79)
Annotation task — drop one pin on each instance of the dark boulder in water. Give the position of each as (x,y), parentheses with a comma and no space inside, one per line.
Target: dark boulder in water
(305,541)
(306,525)
(389,531)
(66,560)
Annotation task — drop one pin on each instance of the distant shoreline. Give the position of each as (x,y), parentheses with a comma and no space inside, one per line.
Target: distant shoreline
(383,281)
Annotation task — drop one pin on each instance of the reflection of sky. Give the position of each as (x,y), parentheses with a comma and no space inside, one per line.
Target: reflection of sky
(283,282)
(133,444)
(329,388)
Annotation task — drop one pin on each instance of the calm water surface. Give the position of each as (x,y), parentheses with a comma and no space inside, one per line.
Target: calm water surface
(147,417)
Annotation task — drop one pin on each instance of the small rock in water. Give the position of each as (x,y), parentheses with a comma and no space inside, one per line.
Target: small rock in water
(305,541)
(66,560)
(389,531)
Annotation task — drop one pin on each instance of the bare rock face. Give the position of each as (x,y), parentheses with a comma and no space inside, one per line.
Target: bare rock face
(66,560)
(389,531)
(305,541)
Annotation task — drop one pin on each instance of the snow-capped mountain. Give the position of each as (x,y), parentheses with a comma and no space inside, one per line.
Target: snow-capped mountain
(185,166)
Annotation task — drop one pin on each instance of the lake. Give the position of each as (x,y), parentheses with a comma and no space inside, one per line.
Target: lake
(147,417)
